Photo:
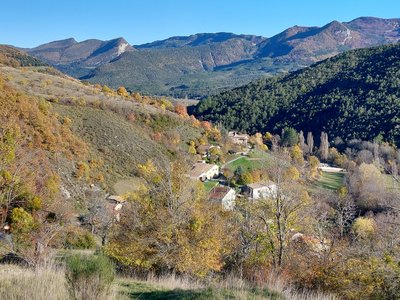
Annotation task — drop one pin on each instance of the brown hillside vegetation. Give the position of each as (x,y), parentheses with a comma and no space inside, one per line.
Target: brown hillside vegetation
(63,142)
(120,131)
(32,140)
(10,56)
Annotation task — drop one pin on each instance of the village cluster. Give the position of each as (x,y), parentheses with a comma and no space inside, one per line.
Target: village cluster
(212,174)
(222,193)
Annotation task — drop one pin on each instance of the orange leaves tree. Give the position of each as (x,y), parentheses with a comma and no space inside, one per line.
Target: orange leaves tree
(181,110)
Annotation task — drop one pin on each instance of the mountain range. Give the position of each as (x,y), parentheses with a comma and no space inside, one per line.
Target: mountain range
(206,63)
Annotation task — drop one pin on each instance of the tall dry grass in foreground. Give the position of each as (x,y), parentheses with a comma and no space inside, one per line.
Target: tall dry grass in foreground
(289,292)
(50,282)
(47,282)
(238,288)
(53,282)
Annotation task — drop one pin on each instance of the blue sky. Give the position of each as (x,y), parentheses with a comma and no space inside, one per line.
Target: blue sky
(27,23)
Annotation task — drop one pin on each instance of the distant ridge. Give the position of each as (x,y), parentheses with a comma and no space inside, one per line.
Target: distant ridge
(205,63)
(77,58)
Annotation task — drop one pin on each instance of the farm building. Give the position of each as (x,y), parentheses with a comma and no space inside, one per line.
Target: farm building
(203,171)
(260,190)
(224,195)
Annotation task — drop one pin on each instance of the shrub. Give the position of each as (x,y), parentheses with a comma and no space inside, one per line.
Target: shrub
(122,92)
(364,228)
(89,276)
(79,239)
(105,89)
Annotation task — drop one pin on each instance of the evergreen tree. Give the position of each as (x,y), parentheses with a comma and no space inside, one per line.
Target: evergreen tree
(289,137)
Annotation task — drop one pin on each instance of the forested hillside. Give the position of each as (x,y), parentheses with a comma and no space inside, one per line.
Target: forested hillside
(352,95)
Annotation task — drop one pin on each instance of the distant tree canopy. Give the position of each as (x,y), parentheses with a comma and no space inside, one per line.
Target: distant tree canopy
(352,95)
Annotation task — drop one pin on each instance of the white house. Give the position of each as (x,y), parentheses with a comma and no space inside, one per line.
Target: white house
(203,171)
(261,190)
(224,195)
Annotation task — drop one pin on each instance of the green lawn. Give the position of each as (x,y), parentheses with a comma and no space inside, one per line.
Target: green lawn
(256,153)
(132,289)
(247,164)
(210,184)
(331,181)
(257,159)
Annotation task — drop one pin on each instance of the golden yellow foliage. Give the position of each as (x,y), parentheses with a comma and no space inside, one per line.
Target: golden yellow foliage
(297,154)
(364,228)
(121,91)
(292,173)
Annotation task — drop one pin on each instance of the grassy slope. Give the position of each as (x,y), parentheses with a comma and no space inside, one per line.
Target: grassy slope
(210,184)
(257,160)
(245,163)
(50,283)
(331,181)
(67,90)
(120,144)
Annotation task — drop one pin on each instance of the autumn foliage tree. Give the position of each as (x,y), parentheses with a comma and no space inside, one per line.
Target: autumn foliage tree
(266,224)
(368,186)
(121,91)
(181,110)
(169,226)
(31,136)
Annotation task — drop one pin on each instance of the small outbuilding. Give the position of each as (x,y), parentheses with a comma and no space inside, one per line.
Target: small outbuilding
(224,195)
(261,190)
